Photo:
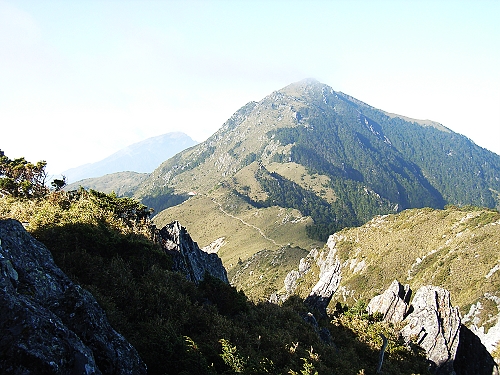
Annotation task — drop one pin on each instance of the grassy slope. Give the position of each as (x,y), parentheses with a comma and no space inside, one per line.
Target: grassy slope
(246,230)
(179,327)
(319,184)
(453,248)
(122,183)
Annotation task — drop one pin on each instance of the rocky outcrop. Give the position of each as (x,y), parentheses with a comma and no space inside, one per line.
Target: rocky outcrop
(488,330)
(434,324)
(48,324)
(393,304)
(214,247)
(187,257)
(329,279)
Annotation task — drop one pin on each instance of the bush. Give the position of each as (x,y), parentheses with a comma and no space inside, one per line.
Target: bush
(106,244)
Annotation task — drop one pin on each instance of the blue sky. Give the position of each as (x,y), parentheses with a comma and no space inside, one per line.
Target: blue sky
(81,79)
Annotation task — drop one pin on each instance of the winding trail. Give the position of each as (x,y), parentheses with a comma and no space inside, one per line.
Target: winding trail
(245,223)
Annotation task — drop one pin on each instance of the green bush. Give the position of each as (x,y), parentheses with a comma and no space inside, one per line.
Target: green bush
(106,244)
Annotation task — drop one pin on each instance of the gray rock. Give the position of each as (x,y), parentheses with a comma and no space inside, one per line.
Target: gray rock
(187,256)
(291,280)
(329,279)
(304,266)
(393,304)
(434,324)
(48,324)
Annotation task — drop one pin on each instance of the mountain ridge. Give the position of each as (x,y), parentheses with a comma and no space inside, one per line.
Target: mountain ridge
(123,184)
(454,248)
(331,160)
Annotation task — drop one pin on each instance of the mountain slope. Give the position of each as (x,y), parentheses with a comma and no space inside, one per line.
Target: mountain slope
(142,157)
(333,159)
(455,248)
(105,245)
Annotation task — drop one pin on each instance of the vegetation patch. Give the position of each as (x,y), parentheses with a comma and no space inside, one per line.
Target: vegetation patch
(104,243)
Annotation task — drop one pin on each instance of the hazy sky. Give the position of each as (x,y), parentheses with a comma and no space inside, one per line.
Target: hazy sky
(81,79)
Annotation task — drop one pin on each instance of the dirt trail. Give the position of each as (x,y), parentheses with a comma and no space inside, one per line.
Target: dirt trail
(245,223)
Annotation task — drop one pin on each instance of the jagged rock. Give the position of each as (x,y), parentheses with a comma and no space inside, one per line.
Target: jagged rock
(304,264)
(487,330)
(48,324)
(309,318)
(291,281)
(329,279)
(323,332)
(434,324)
(187,256)
(393,304)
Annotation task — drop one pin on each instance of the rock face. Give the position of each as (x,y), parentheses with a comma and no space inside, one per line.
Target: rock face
(48,324)
(187,256)
(436,325)
(329,279)
(393,304)
(490,337)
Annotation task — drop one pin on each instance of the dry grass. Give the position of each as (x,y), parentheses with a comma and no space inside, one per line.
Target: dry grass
(452,248)
(297,173)
(246,230)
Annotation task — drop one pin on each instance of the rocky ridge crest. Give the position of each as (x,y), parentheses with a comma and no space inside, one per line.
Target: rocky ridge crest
(187,256)
(435,325)
(430,320)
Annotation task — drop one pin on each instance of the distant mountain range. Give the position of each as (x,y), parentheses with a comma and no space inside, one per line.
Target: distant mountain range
(141,157)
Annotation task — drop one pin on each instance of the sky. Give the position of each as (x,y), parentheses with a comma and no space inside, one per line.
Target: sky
(81,79)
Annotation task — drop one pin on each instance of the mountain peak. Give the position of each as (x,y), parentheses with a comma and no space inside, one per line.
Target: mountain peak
(303,86)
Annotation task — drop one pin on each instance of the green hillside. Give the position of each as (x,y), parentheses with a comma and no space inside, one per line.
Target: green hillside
(104,243)
(455,248)
(322,157)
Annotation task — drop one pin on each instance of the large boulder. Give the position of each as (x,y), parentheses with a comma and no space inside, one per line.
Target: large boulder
(393,304)
(48,324)
(434,324)
(187,256)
